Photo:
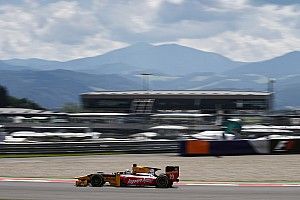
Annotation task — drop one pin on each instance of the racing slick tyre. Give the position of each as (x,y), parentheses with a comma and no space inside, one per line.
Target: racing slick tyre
(162,181)
(97,180)
(122,184)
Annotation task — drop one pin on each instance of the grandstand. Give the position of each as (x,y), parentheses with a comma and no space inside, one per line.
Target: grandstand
(175,101)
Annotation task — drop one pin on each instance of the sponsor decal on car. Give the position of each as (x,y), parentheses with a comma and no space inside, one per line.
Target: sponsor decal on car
(140,181)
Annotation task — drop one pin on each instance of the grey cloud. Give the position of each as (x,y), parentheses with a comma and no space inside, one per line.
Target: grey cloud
(189,19)
(71,32)
(71,29)
(173,32)
(85,25)
(275,2)
(194,10)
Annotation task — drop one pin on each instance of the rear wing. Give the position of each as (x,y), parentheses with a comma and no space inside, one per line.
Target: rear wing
(173,173)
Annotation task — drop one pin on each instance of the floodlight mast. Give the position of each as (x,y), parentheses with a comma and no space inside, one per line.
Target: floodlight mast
(145,77)
(271,82)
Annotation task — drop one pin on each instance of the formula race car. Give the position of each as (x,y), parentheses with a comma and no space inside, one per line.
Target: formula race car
(139,176)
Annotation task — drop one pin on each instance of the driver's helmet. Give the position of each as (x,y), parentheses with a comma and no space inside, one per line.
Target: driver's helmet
(152,171)
(127,171)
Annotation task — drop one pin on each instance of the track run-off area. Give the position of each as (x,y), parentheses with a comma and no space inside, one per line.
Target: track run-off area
(255,168)
(228,177)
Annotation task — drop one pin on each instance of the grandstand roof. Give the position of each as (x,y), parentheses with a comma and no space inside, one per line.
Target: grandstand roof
(181,92)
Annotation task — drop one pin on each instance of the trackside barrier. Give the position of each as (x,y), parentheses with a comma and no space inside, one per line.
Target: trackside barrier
(260,146)
(194,147)
(185,148)
(224,147)
(285,146)
(232,147)
(91,147)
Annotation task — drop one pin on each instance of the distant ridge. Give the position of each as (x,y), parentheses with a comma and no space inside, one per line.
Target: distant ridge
(287,64)
(168,58)
(174,67)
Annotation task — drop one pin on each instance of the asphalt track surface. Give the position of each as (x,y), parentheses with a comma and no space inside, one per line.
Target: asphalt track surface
(64,191)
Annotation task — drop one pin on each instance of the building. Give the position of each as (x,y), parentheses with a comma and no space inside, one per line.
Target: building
(175,101)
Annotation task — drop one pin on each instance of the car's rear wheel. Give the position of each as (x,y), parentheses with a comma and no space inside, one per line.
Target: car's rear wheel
(97,180)
(162,181)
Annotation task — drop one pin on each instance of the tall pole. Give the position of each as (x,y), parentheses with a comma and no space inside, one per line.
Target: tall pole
(271,82)
(145,77)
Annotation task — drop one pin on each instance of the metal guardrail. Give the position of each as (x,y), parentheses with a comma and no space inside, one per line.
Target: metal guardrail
(121,126)
(91,147)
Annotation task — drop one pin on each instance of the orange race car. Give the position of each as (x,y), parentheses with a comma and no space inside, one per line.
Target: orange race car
(139,176)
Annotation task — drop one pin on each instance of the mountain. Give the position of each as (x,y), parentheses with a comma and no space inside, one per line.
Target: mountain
(174,67)
(6,66)
(288,96)
(169,59)
(285,70)
(51,89)
(166,59)
(210,81)
(35,63)
(287,64)
(114,68)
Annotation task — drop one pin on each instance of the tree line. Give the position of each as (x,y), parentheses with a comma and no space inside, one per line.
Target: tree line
(7,101)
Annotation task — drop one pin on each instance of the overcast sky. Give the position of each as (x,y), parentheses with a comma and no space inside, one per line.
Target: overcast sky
(244,30)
